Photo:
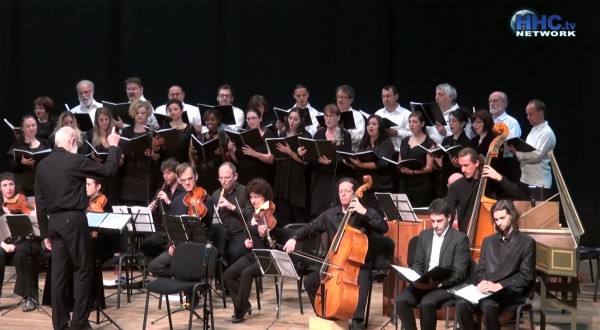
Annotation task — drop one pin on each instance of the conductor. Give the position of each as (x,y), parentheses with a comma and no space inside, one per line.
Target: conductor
(61,203)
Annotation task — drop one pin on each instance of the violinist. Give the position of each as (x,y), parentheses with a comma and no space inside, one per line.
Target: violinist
(259,221)
(158,242)
(230,215)
(194,202)
(462,193)
(365,219)
(18,249)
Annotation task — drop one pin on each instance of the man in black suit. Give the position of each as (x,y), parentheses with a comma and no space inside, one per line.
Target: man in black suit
(506,269)
(441,246)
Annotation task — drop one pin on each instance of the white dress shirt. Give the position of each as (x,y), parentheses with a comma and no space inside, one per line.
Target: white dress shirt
(400,117)
(312,129)
(91,109)
(514,129)
(358,132)
(436,248)
(535,165)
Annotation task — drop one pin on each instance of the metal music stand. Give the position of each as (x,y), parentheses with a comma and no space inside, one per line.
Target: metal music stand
(19,227)
(107,223)
(276,263)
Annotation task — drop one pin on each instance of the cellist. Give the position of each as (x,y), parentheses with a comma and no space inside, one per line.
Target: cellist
(367,220)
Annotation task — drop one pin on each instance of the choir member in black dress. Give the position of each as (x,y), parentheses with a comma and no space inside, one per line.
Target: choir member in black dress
(447,166)
(376,140)
(184,130)
(258,102)
(291,175)
(24,168)
(44,106)
(253,163)
(326,172)
(483,126)
(98,138)
(19,249)
(208,172)
(417,184)
(136,179)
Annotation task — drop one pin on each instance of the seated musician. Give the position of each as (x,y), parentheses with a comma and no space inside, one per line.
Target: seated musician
(463,192)
(366,219)
(228,212)
(187,176)
(19,249)
(506,268)
(239,276)
(429,253)
(157,242)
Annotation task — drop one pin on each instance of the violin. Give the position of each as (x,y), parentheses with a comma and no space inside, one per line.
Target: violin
(194,200)
(264,217)
(97,203)
(18,205)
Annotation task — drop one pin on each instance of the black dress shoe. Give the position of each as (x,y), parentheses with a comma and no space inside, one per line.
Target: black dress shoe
(239,315)
(29,305)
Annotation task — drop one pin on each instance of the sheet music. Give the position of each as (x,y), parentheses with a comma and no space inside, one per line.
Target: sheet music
(5,231)
(95,219)
(115,221)
(275,262)
(143,221)
(470,293)
(404,207)
(285,264)
(410,274)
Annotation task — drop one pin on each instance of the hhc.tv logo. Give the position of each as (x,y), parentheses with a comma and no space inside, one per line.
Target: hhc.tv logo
(525,23)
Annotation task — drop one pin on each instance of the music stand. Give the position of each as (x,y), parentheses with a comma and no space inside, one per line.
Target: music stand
(19,227)
(108,223)
(276,263)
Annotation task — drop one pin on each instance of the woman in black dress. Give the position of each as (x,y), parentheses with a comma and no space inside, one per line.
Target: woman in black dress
(24,167)
(253,163)
(44,106)
(291,174)
(137,181)
(326,172)
(483,126)
(375,139)
(417,183)
(184,133)
(208,173)
(447,165)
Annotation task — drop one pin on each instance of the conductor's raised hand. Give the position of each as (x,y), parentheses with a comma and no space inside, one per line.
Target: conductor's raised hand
(113,138)
(290,245)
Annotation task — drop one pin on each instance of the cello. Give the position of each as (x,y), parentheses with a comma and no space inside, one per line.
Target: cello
(337,296)
(480,223)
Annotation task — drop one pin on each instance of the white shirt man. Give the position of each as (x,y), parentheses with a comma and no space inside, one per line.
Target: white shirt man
(535,165)
(345,96)
(498,102)
(225,97)
(87,104)
(135,91)
(301,96)
(445,97)
(394,112)
(193,113)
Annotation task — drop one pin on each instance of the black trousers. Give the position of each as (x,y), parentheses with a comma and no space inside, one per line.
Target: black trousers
(26,283)
(71,256)
(238,279)
(161,265)
(489,307)
(235,248)
(430,301)
(313,281)
(155,244)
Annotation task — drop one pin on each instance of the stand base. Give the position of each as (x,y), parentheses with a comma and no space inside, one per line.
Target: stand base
(38,306)
(317,323)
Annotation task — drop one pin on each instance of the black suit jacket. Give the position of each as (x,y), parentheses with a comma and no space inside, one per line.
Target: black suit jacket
(511,263)
(454,254)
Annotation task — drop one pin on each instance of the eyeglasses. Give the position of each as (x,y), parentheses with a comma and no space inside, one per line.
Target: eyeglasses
(341,97)
(190,179)
(175,94)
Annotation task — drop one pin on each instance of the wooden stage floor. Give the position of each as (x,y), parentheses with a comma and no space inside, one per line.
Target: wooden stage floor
(130,316)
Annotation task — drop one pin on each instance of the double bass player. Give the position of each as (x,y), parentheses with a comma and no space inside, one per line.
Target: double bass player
(367,220)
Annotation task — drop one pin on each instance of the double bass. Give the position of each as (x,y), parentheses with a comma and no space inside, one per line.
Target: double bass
(337,296)
(481,224)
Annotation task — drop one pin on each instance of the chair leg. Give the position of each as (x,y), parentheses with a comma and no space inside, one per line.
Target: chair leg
(531,326)
(257,292)
(591,270)
(597,278)
(169,314)
(300,296)
(369,303)
(146,309)
(447,323)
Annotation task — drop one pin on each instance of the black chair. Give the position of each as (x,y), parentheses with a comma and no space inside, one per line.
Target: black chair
(381,248)
(219,237)
(191,276)
(591,254)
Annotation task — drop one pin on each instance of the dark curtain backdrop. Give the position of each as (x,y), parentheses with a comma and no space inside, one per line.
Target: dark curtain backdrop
(267,47)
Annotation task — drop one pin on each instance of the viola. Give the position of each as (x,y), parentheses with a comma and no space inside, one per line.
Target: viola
(18,205)
(264,217)
(194,200)
(97,203)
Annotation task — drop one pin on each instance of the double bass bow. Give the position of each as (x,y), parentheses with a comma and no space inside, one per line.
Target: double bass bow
(480,223)
(337,296)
